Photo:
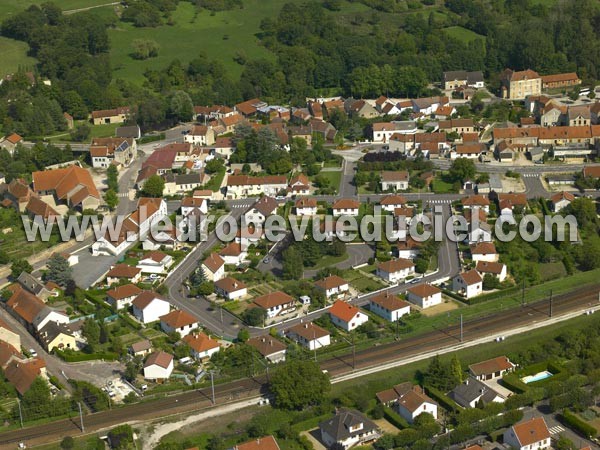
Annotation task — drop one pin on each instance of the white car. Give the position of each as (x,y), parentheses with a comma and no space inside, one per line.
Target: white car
(32,352)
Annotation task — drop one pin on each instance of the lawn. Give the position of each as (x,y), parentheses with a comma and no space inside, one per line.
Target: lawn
(96,131)
(221,36)
(440,186)
(335,177)
(463,34)
(10,7)
(328,261)
(14,56)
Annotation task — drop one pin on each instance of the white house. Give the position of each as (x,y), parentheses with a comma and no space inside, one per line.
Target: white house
(476,201)
(394,180)
(122,272)
(496,269)
(122,296)
(468,284)
(346,316)
(306,207)
(383,131)
(407,249)
(178,321)
(532,434)
(391,202)
(155,262)
(275,303)
(214,267)
(414,402)
(201,135)
(189,204)
(347,429)
(424,295)
(258,213)
(484,251)
(309,335)
(472,391)
(242,186)
(149,307)
(491,368)
(333,286)
(395,270)
(158,366)
(561,200)
(48,315)
(270,348)
(230,288)
(234,253)
(345,207)
(389,306)
(479,232)
(201,346)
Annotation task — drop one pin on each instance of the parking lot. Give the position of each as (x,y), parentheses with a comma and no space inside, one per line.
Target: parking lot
(117,389)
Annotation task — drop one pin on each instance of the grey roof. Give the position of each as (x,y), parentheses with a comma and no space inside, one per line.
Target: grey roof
(338,427)
(495,182)
(132,131)
(471,390)
(404,125)
(141,346)
(31,283)
(474,77)
(455,75)
(535,151)
(561,177)
(187,178)
(52,330)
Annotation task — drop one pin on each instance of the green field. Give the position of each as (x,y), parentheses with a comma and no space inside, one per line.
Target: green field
(9,7)
(221,36)
(462,34)
(14,56)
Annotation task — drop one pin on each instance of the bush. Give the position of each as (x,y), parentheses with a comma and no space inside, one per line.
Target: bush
(513,382)
(574,422)
(394,418)
(445,402)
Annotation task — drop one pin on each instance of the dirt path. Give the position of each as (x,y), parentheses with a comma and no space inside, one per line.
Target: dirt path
(73,11)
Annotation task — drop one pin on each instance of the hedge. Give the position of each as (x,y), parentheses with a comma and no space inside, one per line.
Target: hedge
(574,422)
(79,357)
(132,323)
(311,423)
(394,418)
(513,382)
(446,402)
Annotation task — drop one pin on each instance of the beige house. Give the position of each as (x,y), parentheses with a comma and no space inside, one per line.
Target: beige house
(117,115)
(517,85)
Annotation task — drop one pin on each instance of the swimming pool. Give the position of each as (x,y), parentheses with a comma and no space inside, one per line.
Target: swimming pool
(537,377)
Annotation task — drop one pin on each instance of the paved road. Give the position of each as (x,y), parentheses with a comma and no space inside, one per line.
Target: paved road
(357,254)
(347,188)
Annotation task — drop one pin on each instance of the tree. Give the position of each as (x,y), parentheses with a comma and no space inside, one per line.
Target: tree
(81,133)
(112,178)
(206,288)
(181,106)
(145,48)
(214,165)
(91,332)
(243,335)
(132,368)
(456,370)
(154,186)
(462,169)
(293,264)
(19,266)
(299,384)
(121,437)
(67,443)
(254,316)
(59,270)
(112,199)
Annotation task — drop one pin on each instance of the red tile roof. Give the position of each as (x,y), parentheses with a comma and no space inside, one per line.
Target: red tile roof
(200,342)
(424,290)
(145,298)
(25,304)
(396,265)
(390,302)
(178,319)
(273,299)
(125,291)
(471,277)
(343,311)
(161,359)
(346,203)
(264,443)
(331,282)
(214,262)
(531,431)
(491,366)
(21,374)
(123,271)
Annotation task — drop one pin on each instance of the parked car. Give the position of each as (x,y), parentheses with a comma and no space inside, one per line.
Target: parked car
(32,352)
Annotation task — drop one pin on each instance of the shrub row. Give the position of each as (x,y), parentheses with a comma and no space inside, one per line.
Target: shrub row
(445,402)
(394,418)
(513,382)
(79,357)
(574,422)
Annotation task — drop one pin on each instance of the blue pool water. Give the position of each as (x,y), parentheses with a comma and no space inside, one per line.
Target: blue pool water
(537,377)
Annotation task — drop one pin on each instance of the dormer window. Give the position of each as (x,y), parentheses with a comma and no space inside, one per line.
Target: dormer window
(355,428)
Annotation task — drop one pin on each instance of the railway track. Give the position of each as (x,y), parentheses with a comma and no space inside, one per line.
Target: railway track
(202,398)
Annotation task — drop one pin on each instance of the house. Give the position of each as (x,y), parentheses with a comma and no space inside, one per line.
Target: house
(484,251)
(345,207)
(309,335)
(19,194)
(491,368)
(200,135)
(122,272)
(272,349)
(458,126)
(258,213)
(299,185)
(275,303)
(230,288)
(201,345)
(57,335)
(141,348)
(49,315)
(178,321)
(234,253)
(333,286)
(508,202)
(389,306)
(129,132)
(250,107)
(72,185)
(116,115)
(36,207)
(122,296)
(409,401)
(470,151)
(361,108)
(33,285)
(10,142)
(478,232)
(580,115)
(407,249)
(9,353)
(395,270)
(8,335)
(516,85)
(391,202)
(561,200)
(424,295)
(306,207)
(263,443)
(22,373)
(461,78)
(394,181)
(468,284)
(189,204)
(444,112)
(155,262)
(213,267)
(242,186)
(107,151)
(181,183)
(560,80)
(532,434)
(383,131)
(476,201)
(347,429)
(472,392)
(346,316)
(429,105)
(158,366)
(496,269)
(31,311)
(148,307)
